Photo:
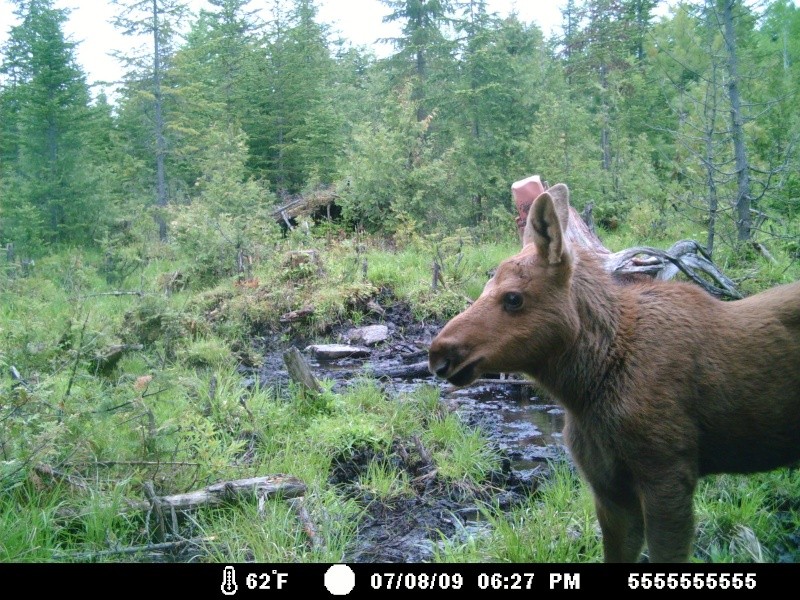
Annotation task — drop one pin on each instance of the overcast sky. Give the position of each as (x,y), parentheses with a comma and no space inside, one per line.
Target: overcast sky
(359,21)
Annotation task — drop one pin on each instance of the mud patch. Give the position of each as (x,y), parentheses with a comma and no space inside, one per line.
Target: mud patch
(410,528)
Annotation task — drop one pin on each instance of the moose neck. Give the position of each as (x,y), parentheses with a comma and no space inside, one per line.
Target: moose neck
(577,376)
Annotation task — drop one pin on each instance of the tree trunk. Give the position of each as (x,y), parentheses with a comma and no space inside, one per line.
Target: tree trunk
(743,199)
(161,144)
(712,200)
(419,86)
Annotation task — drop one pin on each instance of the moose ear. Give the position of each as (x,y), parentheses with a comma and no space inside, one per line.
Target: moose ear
(547,225)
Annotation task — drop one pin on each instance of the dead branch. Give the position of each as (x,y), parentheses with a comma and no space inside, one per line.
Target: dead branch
(134,463)
(685,256)
(299,506)
(762,250)
(91,556)
(305,205)
(51,473)
(425,476)
(156,509)
(118,293)
(284,486)
(416,370)
(78,355)
(520,382)
(297,315)
(16,376)
(423,453)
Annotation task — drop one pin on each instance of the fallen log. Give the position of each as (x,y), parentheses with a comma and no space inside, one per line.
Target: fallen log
(305,205)
(686,256)
(297,315)
(284,486)
(337,351)
(157,548)
(414,371)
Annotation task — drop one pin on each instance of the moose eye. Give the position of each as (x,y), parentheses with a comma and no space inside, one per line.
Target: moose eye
(512,301)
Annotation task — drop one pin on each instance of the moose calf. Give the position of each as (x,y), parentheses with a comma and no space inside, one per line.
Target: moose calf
(662,384)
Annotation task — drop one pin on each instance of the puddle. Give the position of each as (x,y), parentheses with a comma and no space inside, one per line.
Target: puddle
(526,427)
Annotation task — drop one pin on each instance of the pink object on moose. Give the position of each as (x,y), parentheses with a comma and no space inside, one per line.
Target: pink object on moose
(525,191)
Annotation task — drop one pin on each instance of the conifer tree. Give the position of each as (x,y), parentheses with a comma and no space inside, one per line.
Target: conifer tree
(44,105)
(159,21)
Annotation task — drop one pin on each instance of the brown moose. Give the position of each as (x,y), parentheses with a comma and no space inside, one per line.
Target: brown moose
(662,384)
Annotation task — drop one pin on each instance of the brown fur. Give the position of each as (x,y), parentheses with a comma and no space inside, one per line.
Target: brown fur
(661,383)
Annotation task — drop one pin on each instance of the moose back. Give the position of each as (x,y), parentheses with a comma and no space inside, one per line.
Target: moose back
(661,383)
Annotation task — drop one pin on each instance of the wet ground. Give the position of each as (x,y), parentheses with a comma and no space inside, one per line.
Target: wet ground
(524,427)
(525,430)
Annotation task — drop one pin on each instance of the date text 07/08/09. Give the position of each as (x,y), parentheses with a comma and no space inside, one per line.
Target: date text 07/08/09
(457,581)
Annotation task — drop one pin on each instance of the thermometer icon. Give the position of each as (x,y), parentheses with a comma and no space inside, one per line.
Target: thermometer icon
(229,586)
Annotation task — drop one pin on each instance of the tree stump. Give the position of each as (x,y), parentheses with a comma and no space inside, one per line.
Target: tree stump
(300,372)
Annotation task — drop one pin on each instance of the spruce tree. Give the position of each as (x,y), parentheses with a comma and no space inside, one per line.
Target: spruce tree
(158,20)
(44,105)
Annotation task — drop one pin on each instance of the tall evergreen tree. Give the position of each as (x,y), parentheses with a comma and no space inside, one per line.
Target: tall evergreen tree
(604,51)
(158,20)
(779,42)
(299,138)
(498,82)
(218,50)
(209,81)
(45,119)
(422,42)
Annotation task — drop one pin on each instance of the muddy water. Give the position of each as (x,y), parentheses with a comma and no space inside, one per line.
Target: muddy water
(526,427)
(523,424)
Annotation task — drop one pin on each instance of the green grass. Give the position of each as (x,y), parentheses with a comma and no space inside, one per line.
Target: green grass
(173,413)
(750,518)
(409,273)
(556,525)
(462,454)
(384,482)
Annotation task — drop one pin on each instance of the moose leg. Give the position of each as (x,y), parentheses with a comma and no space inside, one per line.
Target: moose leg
(669,519)
(623,529)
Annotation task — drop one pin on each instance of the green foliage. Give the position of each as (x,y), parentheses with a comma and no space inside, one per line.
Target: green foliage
(394,171)
(218,231)
(461,454)
(211,353)
(384,482)
(45,106)
(556,525)
(464,266)
(747,519)
(293,123)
